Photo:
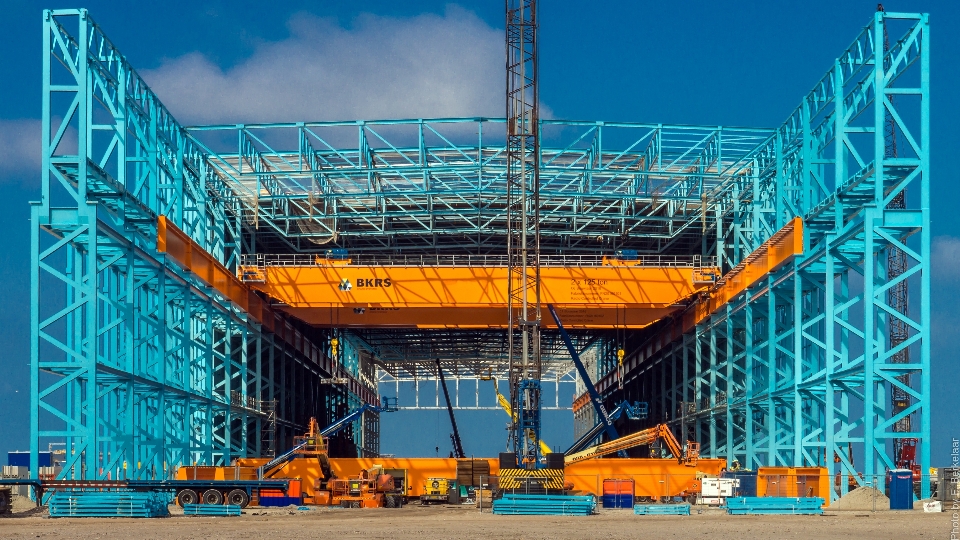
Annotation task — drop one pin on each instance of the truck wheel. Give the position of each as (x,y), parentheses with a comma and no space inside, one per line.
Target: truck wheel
(212,496)
(238,497)
(5,505)
(389,501)
(187,496)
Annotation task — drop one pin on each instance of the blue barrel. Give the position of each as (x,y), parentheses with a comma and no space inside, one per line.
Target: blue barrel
(748,482)
(901,489)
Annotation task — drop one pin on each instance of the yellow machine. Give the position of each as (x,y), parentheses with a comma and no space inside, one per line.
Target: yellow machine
(435,490)
(505,405)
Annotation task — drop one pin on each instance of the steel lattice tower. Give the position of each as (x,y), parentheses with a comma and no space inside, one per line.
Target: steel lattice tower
(523,224)
(898,297)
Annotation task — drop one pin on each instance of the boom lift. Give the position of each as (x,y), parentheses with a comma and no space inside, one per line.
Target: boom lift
(687,456)
(634,411)
(455,436)
(314,442)
(603,417)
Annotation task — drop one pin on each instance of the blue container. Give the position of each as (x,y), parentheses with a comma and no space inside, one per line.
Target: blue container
(280,501)
(901,489)
(748,482)
(627,254)
(621,500)
(22,459)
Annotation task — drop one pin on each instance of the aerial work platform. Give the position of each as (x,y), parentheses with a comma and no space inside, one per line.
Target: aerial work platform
(471,291)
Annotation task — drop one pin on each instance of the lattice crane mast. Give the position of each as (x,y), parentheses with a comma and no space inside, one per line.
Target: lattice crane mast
(523,228)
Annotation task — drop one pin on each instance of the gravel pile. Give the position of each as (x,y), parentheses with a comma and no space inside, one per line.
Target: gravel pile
(862,498)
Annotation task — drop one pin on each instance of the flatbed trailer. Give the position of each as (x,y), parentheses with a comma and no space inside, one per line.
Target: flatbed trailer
(235,492)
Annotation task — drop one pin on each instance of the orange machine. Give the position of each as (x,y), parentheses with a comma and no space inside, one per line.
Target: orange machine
(688,455)
(793,482)
(653,478)
(370,489)
(340,294)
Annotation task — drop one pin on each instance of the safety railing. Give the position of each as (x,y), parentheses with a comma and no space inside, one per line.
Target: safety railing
(363,259)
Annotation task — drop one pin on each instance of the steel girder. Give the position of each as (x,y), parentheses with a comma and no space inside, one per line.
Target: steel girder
(440,184)
(798,369)
(138,365)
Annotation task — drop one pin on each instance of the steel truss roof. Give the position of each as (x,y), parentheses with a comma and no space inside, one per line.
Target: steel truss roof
(440,184)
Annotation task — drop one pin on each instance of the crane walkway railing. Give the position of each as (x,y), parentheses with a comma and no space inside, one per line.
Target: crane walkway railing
(364,259)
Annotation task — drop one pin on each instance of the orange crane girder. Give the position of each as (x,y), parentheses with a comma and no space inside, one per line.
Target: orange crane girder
(345,295)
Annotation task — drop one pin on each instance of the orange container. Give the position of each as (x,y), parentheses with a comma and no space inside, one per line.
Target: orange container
(613,486)
(293,490)
(321,498)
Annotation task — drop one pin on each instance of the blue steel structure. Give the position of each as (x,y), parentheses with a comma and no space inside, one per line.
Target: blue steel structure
(799,369)
(137,361)
(137,364)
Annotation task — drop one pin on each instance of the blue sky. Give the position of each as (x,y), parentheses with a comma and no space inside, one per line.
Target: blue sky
(739,63)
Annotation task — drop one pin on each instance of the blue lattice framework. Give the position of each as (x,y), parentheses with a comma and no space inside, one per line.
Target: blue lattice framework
(439,185)
(799,369)
(780,375)
(137,364)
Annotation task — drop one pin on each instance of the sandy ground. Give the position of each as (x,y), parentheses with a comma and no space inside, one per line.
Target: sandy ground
(439,522)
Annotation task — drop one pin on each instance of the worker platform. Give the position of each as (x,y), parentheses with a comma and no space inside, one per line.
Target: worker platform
(471,291)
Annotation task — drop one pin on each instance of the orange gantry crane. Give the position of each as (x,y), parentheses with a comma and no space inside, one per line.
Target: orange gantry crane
(604,293)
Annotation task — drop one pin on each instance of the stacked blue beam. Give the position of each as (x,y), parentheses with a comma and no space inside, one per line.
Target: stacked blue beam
(109,504)
(211,510)
(662,509)
(545,505)
(775,505)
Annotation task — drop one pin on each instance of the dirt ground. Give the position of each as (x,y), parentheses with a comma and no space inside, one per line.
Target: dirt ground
(441,522)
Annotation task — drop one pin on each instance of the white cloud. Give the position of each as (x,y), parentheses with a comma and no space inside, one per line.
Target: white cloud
(945,261)
(426,66)
(20,150)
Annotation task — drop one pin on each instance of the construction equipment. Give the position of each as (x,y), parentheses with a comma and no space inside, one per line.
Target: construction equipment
(435,490)
(634,411)
(603,417)
(373,488)
(455,436)
(523,229)
(505,405)
(648,436)
(311,444)
(304,465)
(314,442)
(907,457)
(389,405)
(473,295)
(6,500)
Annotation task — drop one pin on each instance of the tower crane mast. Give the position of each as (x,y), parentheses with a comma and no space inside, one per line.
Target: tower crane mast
(523,228)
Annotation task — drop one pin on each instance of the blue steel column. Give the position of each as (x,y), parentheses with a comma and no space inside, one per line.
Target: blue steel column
(136,363)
